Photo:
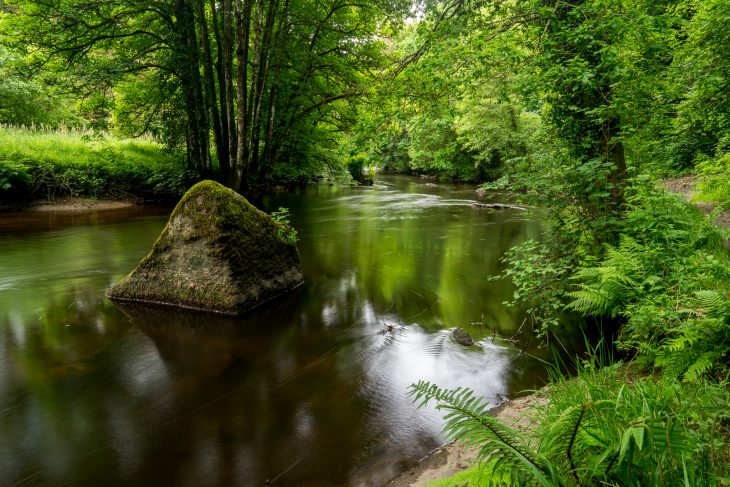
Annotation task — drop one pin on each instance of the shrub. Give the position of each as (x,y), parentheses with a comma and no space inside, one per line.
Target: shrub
(715,184)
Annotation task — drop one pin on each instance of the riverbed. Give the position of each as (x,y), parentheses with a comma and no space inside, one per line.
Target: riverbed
(310,390)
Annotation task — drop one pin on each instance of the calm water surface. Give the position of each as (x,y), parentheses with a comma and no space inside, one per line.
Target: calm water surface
(310,391)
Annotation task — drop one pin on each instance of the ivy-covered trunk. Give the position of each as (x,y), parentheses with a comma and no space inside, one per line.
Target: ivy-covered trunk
(580,74)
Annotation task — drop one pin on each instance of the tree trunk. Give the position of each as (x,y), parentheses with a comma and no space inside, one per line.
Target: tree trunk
(187,57)
(228,75)
(263,57)
(267,160)
(224,154)
(613,151)
(211,97)
(243,34)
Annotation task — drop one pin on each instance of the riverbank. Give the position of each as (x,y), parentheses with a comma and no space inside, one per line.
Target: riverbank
(454,457)
(44,165)
(77,205)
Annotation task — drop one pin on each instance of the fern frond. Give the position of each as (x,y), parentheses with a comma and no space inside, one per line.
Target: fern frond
(701,366)
(589,300)
(503,452)
(714,303)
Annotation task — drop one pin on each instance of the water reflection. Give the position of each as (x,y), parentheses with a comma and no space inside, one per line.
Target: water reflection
(308,391)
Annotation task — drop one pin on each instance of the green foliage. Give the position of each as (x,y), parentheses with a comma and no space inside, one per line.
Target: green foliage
(356,165)
(13,175)
(700,73)
(669,280)
(505,456)
(600,428)
(26,98)
(538,272)
(606,427)
(45,164)
(714,185)
(285,232)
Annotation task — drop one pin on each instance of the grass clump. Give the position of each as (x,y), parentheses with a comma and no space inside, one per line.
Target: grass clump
(38,163)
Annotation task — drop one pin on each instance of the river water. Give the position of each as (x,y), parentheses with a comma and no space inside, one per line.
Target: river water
(310,390)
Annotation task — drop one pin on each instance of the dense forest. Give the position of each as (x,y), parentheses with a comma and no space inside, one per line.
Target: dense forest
(578,107)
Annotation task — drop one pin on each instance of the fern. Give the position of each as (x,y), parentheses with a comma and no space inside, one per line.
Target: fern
(504,454)
(701,366)
(596,430)
(713,302)
(606,288)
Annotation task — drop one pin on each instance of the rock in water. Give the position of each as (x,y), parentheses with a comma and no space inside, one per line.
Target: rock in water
(217,253)
(462,337)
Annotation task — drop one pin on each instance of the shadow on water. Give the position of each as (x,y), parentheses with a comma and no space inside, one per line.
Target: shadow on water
(307,391)
(206,345)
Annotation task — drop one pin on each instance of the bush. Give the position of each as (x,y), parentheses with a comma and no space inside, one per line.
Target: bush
(715,184)
(14,176)
(355,166)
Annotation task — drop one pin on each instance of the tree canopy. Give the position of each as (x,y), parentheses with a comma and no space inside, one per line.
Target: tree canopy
(263,92)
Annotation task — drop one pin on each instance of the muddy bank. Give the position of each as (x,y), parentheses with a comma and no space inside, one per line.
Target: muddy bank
(455,457)
(68,205)
(78,205)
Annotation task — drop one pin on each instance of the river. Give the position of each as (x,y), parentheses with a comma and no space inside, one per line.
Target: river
(310,390)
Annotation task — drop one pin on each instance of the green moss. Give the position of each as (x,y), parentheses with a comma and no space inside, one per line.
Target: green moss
(218,253)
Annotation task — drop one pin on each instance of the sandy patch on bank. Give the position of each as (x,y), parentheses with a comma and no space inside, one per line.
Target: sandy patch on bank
(455,457)
(78,205)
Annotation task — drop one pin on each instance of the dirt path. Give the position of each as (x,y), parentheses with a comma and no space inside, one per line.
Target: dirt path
(685,186)
(454,457)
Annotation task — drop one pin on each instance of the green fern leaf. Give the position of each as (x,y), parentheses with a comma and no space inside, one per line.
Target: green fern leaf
(503,451)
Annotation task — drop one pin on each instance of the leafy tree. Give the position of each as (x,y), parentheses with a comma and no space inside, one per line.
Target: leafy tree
(701,70)
(271,79)
(27,99)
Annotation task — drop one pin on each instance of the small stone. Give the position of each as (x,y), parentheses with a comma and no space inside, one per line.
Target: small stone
(462,337)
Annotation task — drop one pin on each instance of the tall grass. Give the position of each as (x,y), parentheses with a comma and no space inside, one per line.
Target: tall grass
(39,163)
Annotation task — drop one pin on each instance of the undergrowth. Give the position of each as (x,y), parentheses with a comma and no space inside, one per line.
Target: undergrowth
(603,427)
(714,186)
(666,280)
(38,163)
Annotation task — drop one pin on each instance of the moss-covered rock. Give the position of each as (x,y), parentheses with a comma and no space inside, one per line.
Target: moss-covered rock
(217,253)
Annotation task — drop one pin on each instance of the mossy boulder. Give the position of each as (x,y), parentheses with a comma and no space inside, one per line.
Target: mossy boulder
(217,253)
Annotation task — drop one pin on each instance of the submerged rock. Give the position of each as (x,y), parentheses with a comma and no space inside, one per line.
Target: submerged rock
(462,337)
(497,206)
(217,253)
